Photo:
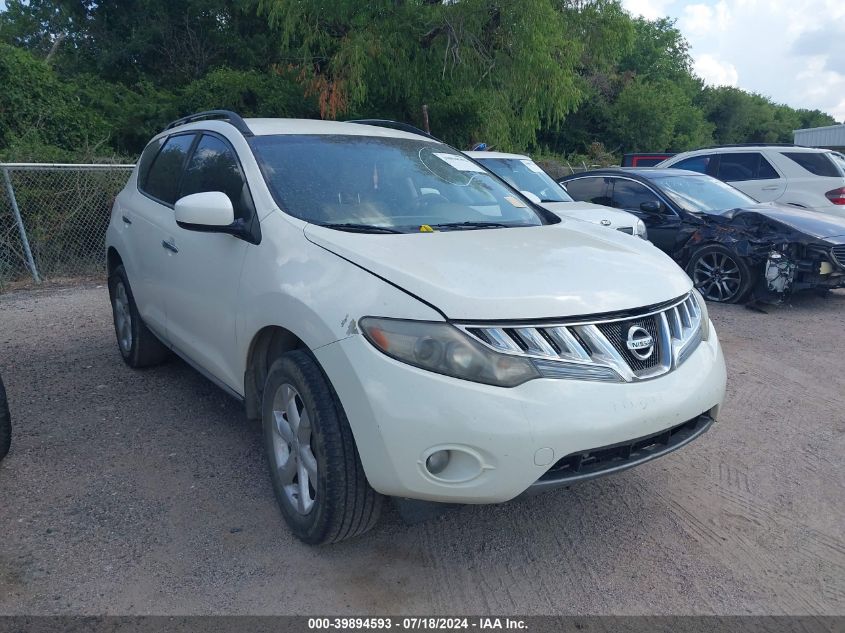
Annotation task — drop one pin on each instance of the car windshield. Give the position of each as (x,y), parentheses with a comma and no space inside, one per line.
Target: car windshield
(385,184)
(703,194)
(524,174)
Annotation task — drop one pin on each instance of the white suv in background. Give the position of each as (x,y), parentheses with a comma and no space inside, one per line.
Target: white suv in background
(524,174)
(788,174)
(401,321)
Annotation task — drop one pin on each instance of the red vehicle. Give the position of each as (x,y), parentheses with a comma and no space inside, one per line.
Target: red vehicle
(649,159)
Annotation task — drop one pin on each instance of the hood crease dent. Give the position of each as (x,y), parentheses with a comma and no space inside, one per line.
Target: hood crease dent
(544,272)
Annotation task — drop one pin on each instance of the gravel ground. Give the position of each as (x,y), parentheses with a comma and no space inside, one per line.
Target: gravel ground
(147,493)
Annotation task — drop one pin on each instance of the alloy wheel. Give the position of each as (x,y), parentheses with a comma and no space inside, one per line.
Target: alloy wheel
(717,276)
(122,318)
(295,460)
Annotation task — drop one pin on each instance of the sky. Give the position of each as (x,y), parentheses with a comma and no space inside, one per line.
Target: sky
(790,50)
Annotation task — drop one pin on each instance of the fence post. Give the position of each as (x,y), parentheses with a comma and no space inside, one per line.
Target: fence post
(21,229)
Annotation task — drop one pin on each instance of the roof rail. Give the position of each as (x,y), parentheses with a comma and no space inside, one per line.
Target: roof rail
(750,145)
(233,118)
(394,125)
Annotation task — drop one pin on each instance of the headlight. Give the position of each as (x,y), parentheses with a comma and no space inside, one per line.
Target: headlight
(705,316)
(640,230)
(444,349)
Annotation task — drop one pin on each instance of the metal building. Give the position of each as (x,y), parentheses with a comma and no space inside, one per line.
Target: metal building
(829,137)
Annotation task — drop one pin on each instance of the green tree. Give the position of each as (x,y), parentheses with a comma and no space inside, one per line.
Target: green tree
(474,62)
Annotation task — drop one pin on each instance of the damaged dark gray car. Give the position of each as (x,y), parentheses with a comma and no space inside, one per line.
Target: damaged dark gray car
(729,244)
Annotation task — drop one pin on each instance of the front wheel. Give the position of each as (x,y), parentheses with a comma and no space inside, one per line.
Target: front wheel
(138,346)
(314,465)
(720,275)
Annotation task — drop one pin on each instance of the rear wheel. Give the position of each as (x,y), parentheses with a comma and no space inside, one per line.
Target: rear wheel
(720,274)
(314,465)
(5,423)
(138,346)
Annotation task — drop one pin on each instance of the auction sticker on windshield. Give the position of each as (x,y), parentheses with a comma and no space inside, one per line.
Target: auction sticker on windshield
(532,166)
(459,162)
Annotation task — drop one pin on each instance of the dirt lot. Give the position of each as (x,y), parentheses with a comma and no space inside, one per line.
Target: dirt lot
(147,493)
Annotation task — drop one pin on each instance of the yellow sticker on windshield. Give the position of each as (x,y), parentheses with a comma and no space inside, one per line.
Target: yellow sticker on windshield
(515,201)
(425,228)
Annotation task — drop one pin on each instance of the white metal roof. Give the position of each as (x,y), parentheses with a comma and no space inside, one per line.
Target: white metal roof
(828,136)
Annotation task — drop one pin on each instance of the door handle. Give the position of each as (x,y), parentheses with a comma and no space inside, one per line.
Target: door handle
(127,220)
(169,246)
(771,188)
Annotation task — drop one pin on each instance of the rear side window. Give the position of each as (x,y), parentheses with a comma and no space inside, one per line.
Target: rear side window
(628,194)
(146,160)
(696,163)
(214,167)
(741,166)
(162,182)
(592,189)
(817,163)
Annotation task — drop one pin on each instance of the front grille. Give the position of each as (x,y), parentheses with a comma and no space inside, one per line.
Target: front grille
(598,461)
(626,229)
(599,348)
(838,254)
(617,334)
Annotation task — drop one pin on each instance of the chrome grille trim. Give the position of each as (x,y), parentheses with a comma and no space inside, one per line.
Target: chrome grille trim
(837,253)
(678,330)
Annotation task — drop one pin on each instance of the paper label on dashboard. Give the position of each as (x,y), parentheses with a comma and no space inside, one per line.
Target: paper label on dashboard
(459,162)
(532,166)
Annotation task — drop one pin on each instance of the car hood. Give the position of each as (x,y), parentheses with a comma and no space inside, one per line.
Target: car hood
(593,213)
(568,269)
(813,223)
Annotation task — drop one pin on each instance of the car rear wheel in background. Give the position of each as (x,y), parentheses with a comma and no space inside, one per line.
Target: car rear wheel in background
(5,423)
(720,274)
(138,346)
(314,465)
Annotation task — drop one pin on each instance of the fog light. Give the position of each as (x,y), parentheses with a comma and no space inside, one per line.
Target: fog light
(437,462)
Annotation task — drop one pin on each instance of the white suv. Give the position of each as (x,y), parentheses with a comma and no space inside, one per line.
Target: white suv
(401,321)
(524,174)
(788,174)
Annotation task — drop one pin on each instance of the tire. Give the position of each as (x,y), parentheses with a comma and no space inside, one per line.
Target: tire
(138,346)
(336,502)
(5,423)
(720,275)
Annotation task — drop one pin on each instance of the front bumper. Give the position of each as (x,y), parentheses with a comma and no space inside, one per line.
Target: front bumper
(503,441)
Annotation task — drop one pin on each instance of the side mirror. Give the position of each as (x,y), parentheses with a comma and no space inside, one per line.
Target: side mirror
(532,197)
(652,206)
(210,211)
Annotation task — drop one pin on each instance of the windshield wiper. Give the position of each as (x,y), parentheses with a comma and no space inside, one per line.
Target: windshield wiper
(359,228)
(471,225)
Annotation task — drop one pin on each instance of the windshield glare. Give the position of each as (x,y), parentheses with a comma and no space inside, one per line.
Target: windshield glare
(525,175)
(395,183)
(703,194)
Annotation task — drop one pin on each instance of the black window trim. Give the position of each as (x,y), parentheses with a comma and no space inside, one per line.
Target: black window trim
(760,157)
(189,154)
(229,145)
(658,195)
(254,222)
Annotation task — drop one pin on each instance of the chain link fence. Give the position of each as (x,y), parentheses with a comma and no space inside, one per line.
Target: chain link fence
(53,219)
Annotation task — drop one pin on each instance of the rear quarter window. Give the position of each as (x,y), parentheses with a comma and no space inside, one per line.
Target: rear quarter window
(817,163)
